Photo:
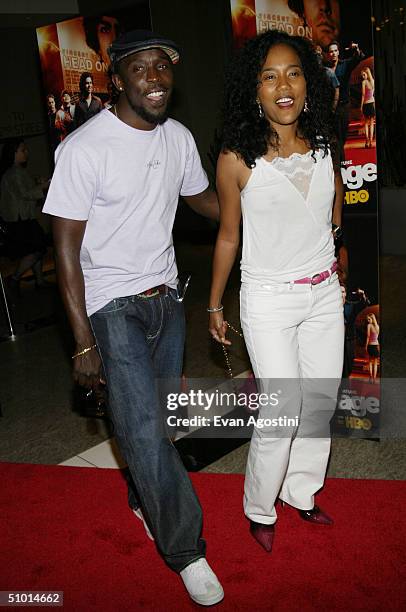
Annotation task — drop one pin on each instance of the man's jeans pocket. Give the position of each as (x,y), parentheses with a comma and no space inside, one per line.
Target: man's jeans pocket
(113,306)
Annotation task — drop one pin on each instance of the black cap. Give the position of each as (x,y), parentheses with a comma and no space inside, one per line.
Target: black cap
(140,40)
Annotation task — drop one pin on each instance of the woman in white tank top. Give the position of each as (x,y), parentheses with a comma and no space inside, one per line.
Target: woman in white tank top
(276,171)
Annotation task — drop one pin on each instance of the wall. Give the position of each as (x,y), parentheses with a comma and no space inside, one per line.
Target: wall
(23,113)
(203,30)
(28,8)
(390,52)
(23,106)
(390,42)
(392,220)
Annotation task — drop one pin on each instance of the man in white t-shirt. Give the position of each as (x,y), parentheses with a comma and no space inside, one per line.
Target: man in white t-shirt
(113,196)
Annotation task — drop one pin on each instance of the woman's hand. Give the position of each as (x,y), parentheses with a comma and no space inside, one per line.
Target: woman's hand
(218,327)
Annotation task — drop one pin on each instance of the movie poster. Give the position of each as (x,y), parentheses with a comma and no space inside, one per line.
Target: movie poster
(75,65)
(341,32)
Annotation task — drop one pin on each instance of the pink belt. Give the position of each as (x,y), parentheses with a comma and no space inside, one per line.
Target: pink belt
(317,278)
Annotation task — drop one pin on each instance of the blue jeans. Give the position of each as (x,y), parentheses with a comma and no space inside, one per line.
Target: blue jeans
(141,339)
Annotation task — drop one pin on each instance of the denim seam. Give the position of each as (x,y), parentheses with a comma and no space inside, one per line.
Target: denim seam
(149,337)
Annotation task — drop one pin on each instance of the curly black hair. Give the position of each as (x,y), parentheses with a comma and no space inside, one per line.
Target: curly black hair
(244,131)
(82,82)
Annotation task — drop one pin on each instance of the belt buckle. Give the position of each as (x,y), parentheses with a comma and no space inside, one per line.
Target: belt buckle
(316,279)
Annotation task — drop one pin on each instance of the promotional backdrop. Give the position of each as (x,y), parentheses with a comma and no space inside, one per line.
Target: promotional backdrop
(71,48)
(343,30)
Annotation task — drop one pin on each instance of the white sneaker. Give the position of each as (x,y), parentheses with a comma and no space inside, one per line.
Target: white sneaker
(201,583)
(139,515)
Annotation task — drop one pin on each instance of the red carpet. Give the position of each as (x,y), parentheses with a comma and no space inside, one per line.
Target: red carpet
(70,529)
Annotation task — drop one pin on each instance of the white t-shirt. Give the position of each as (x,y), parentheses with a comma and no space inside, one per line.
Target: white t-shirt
(125,183)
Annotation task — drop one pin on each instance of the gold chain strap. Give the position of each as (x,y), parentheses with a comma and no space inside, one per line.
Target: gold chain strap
(225,352)
(235,330)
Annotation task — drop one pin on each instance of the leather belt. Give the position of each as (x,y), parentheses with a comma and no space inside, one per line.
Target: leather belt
(317,278)
(154,291)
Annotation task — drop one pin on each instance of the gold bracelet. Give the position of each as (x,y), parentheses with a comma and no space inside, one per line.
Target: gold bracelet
(86,350)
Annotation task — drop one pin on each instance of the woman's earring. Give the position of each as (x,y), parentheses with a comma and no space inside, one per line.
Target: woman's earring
(260,111)
(306,107)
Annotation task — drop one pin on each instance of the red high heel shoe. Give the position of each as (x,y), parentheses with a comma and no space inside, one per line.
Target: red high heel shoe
(316,516)
(264,534)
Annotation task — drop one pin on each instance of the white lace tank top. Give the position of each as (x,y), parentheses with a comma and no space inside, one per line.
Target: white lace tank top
(298,168)
(286,208)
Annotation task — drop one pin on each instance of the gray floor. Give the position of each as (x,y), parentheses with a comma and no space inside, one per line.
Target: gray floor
(41,422)
(349,459)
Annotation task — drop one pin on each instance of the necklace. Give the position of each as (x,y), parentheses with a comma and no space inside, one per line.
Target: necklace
(115,111)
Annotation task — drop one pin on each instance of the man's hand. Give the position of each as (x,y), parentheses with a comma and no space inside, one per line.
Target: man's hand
(87,369)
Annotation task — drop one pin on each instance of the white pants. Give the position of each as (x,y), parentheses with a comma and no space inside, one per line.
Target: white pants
(293,332)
